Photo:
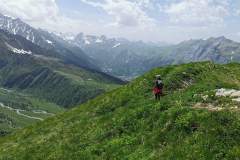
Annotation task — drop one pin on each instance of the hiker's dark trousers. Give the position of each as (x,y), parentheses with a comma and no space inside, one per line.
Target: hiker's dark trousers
(157,96)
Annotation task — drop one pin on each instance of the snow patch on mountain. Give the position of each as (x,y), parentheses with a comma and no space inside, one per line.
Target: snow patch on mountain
(99,41)
(69,38)
(21,51)
(116,45)
(65,36)
(10,17)
(18,51)
(86,41)
(49,42)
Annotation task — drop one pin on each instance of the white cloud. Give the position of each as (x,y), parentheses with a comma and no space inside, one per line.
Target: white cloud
(198,12)
(30,10)
(125,12)
(41,14)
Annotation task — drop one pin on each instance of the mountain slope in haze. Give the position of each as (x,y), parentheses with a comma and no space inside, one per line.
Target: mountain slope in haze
(128,59)
(68,53)
(129,124)
(29,68)
(219,50)
(118,57)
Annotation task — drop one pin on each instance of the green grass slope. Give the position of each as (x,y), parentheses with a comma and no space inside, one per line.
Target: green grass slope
(129,124)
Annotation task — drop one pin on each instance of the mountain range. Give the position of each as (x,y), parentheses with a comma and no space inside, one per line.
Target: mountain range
(117,56)
(129,59)
(67,52)
(120,57)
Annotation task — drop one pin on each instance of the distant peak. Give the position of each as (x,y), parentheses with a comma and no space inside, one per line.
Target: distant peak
(8,16)
(221,38)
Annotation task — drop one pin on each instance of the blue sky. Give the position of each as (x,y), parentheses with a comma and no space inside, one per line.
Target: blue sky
(149,20)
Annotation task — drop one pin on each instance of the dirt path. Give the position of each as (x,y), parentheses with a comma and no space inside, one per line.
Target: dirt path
(24,115)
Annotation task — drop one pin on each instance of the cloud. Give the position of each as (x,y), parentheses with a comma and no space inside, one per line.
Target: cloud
(153,20)
(197,12)
(125,13)
(237,12)
(30,10)
(41,14)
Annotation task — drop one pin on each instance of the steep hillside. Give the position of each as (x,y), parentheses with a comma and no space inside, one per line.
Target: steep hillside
(191,121)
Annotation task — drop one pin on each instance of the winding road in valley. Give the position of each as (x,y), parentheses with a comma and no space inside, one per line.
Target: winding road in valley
(18,111)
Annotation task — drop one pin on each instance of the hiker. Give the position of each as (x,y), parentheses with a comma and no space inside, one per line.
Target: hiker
(157,90)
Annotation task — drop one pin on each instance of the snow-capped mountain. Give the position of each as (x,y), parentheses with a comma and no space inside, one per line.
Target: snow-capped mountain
(128,59)
(69,53)
(19,46)
(117,56)
(65,36)
(82,40)
(17,26)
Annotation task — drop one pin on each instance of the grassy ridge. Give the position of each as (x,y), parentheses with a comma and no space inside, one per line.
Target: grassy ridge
(128,124)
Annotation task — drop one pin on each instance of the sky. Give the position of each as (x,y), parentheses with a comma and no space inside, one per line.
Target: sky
(169,21)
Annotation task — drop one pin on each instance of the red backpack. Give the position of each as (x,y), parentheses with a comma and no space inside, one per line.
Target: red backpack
(156,90)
